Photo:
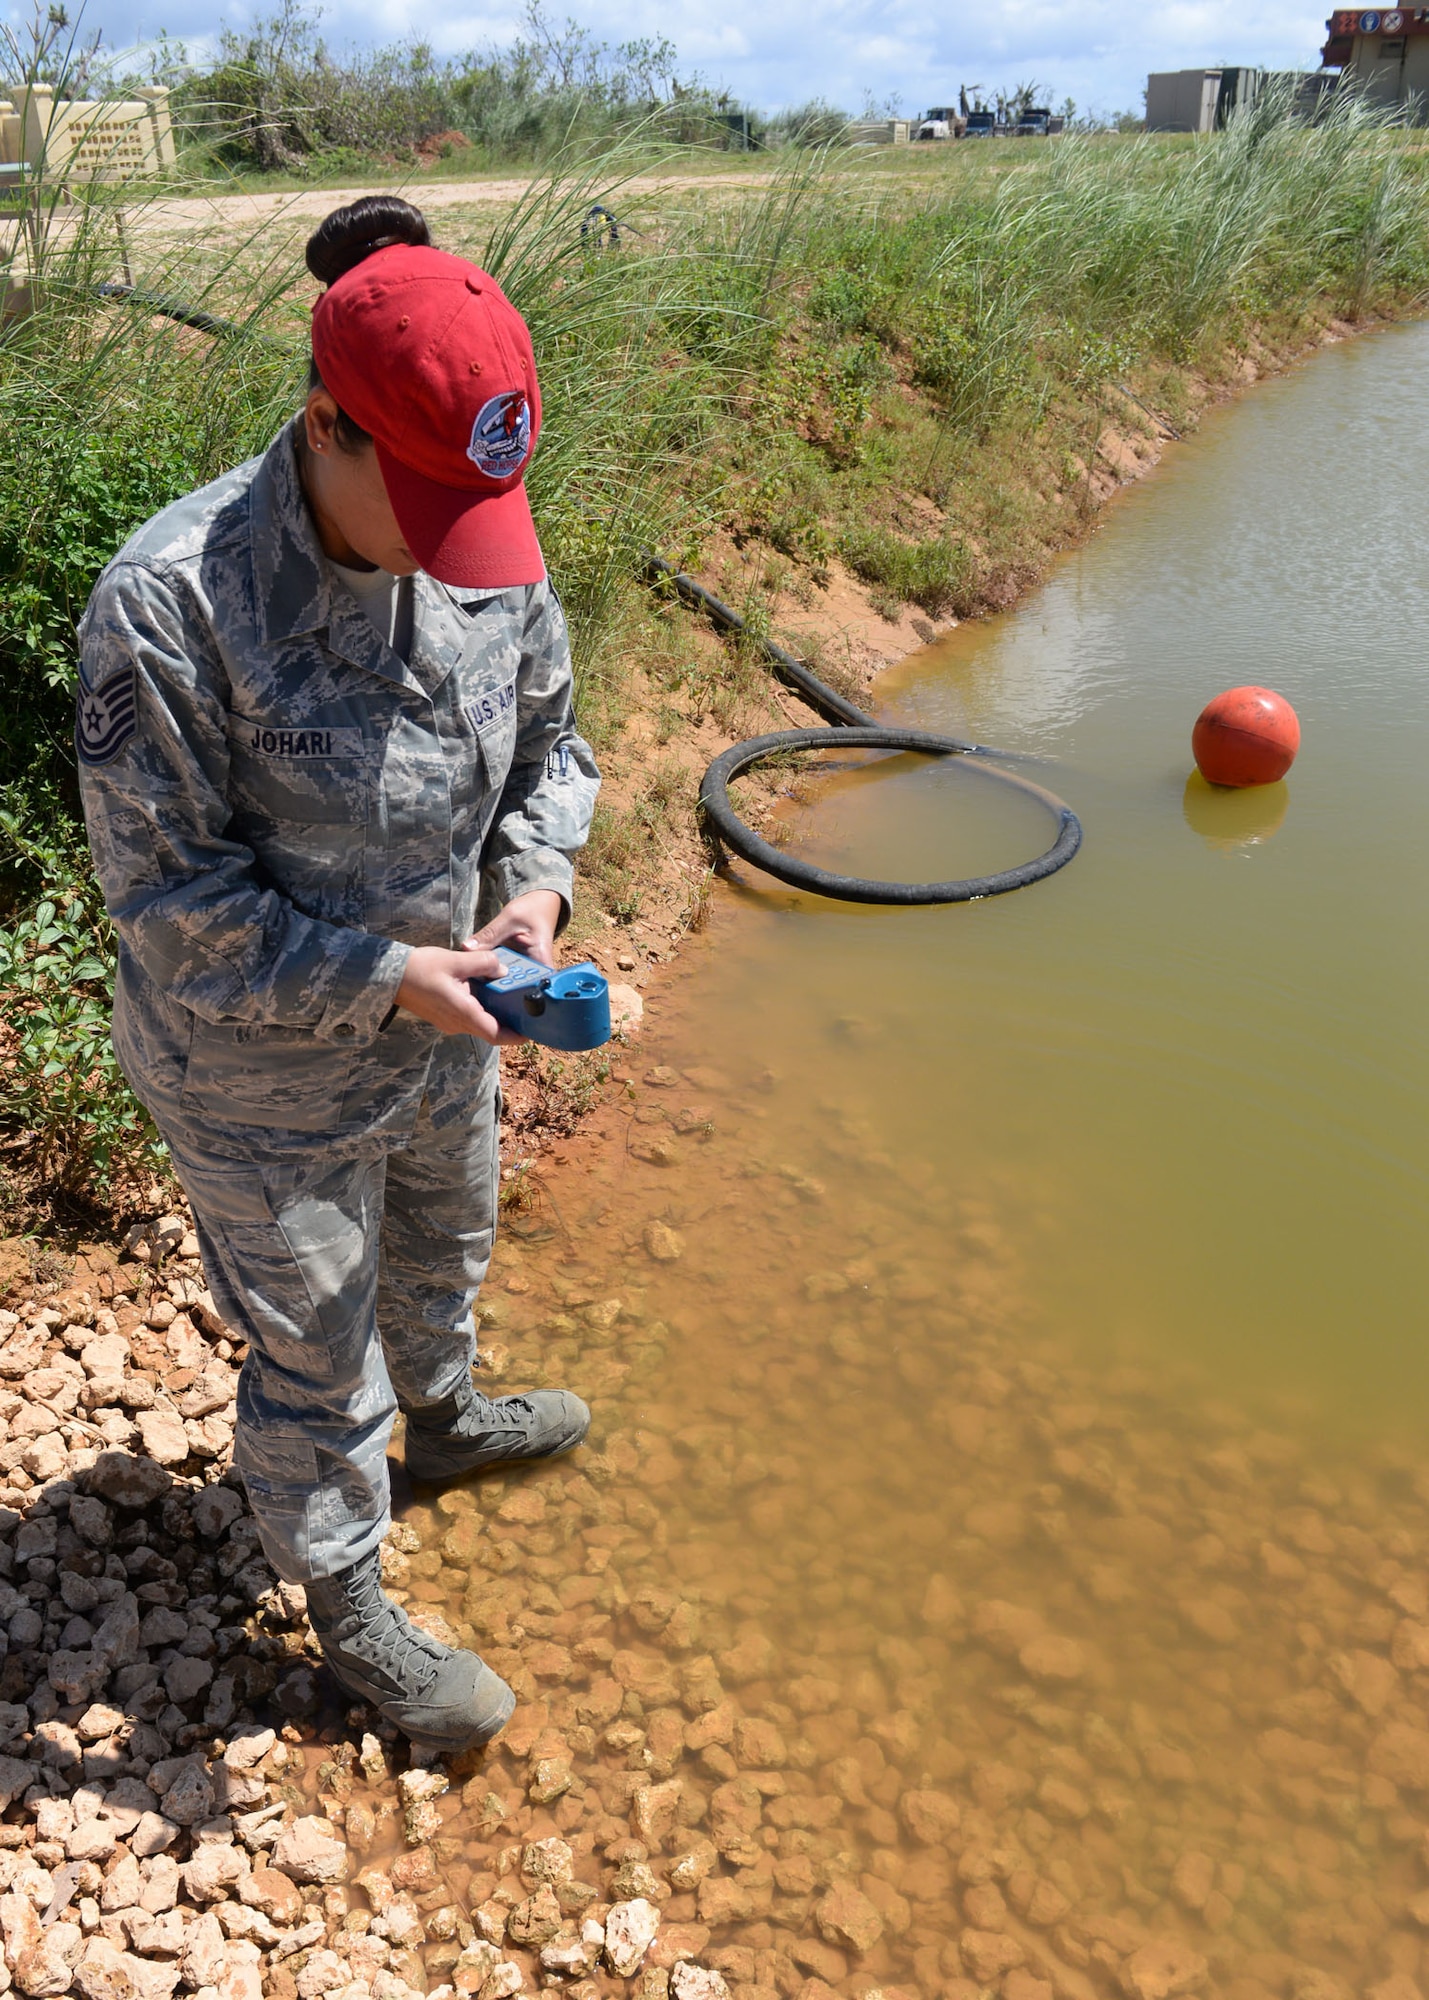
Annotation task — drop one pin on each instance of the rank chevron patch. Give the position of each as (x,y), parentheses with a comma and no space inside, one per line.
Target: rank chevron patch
(106,716)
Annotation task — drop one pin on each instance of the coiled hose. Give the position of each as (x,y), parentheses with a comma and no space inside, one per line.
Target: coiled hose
(851,729)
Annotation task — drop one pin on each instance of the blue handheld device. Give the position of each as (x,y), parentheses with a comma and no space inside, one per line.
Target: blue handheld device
(569,1009)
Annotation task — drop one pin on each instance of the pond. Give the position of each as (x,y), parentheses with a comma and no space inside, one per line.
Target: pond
(1201,1046)
(1002,1560)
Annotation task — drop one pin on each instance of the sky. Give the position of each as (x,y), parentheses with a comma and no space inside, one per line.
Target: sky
(1097,52)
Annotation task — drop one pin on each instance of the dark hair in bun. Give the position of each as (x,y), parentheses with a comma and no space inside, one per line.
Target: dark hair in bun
(338,245)
(342,239)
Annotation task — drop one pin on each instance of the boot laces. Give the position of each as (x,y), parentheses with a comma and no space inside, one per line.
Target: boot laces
(373,1626)
(485,1415)
(502,1413)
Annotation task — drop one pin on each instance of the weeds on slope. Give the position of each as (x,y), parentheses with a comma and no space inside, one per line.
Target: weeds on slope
(964,349)
(79,1141)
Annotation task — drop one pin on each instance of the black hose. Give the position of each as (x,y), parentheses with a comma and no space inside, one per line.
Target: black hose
(818,694)
(1170,429)
(715,806)
(175,309)
(854,730)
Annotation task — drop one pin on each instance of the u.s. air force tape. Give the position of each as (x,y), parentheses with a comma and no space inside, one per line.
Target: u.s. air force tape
(106,716)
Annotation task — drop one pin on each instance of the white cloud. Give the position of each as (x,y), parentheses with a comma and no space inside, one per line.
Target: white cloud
(1096,51)
(714,42)
(885,52)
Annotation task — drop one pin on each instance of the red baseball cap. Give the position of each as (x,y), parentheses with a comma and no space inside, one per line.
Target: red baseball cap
(428,354)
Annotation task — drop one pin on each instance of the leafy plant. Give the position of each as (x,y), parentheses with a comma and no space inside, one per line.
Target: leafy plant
(973,345)
(65,1096)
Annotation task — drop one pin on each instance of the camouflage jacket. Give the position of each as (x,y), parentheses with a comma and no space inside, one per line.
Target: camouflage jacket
(279,809)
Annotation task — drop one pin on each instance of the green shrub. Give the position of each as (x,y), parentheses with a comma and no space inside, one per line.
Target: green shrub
(791,524)
(856,302)
(279,99)
(973,342)
(65,1095)
(68,498)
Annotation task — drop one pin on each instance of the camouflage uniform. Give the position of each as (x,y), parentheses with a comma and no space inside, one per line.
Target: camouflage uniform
(279,808)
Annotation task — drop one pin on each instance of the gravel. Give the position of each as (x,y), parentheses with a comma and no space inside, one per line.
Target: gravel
(179,1813)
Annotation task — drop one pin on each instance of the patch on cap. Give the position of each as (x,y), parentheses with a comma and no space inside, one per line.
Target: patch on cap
(501,436)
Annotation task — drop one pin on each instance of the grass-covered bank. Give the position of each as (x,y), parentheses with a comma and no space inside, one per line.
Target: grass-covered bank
(825,381)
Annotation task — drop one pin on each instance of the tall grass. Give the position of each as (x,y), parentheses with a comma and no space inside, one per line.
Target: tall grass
(1165,242)
(1013,287)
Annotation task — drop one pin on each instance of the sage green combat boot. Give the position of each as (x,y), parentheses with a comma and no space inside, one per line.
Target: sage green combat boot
(467,1431)
(443,1699)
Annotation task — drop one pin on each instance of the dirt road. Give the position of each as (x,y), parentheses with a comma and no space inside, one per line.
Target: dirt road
(250,210)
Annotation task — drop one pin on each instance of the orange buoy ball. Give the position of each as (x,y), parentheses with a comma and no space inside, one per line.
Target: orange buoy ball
(1246,736)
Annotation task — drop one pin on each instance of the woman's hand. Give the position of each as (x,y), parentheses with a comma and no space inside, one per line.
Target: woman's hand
(527,924)
(434,988)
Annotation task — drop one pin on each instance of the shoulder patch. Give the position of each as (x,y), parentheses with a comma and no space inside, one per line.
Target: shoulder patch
(106,716)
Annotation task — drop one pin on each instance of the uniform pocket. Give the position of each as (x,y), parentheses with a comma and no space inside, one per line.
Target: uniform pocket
(282,1079)
(314,776)
(301,799)
(260,1278)
(491,712)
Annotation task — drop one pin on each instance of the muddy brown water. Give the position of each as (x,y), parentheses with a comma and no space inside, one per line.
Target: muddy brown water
(1002,1560)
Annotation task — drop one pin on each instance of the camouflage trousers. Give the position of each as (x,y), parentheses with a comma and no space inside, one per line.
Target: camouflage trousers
(352,1281)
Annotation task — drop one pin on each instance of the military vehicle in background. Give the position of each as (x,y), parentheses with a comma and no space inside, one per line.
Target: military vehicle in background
(943,122)
(1010,116)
